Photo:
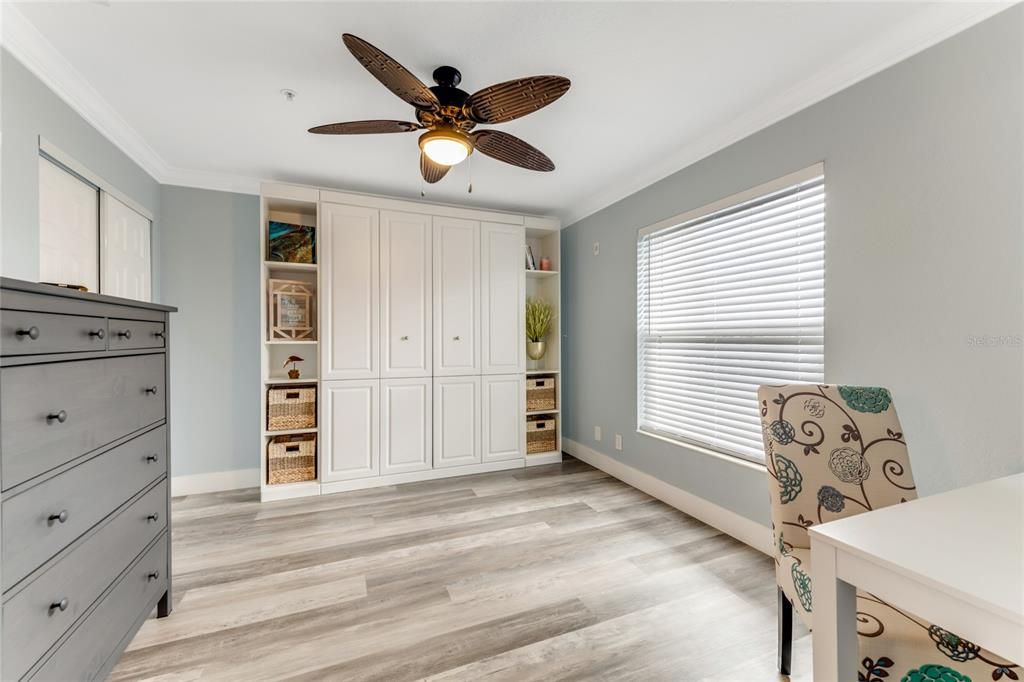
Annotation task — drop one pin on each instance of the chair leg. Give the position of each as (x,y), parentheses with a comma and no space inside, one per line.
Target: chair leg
(785,633)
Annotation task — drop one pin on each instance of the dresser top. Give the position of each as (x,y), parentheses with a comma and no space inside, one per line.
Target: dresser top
(7,283)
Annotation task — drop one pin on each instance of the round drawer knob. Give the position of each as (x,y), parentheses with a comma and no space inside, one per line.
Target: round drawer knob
(151,390)
(125,333)
(158,335)
(98,333)
(405,338)
(153,576)
(32,332)
(458,338)
(152,458)
(59,517)
(61,605)
(153,517)
(61,417)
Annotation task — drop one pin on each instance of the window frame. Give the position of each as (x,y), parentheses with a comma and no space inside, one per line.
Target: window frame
(778,184)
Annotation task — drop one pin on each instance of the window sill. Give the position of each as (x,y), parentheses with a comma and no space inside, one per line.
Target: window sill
(704,450)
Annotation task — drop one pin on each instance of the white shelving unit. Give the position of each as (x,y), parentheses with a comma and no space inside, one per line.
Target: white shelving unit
(298,206)
(545,242)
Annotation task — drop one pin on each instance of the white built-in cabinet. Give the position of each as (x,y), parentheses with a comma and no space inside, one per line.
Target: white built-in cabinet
(350,429)
(406,425)
(406,294)
(502,287)
(349,292)
(502,404)
(420,352)
(456,296)
(456,421)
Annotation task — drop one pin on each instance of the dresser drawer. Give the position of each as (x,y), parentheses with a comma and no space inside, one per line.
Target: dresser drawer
(86,653)
(129,334)
(31,520)
(29,333)
(76,581)
(55,412)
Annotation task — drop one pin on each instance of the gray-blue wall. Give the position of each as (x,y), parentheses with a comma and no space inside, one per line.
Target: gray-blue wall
(924,261)
(28,110)
(210,259)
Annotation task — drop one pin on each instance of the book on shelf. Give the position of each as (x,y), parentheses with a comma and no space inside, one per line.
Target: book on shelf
(531,264)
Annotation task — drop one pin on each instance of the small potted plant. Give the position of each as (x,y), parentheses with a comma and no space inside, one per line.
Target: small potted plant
(293,373)
(538,322)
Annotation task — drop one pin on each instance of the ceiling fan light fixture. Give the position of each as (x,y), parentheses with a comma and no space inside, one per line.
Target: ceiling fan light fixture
(445,147)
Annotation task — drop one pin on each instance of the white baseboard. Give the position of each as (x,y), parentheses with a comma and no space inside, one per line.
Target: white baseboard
(740,527)
(215,481)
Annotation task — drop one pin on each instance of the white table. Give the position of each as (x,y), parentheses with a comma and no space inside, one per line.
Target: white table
(955,559)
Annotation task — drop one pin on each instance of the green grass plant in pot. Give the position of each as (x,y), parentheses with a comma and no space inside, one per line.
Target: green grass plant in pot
(538,323)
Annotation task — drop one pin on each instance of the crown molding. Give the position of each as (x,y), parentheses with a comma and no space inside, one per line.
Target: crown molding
(929,28)
(942,20)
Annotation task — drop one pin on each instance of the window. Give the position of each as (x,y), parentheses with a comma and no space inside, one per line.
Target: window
(730,296)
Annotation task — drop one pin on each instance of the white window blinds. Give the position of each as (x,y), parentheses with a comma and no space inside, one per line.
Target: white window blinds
(729,297)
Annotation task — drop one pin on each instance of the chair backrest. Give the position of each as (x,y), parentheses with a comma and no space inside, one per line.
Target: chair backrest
(831,451)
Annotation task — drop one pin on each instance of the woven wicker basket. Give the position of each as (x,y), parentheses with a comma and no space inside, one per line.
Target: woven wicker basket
(291,459)
(540,434)
(540,393)
(291,407)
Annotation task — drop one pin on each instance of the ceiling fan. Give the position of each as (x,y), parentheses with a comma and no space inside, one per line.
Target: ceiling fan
(449,115)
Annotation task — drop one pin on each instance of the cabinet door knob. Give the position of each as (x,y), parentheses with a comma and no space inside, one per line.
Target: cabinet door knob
(60,517)
(405,338)
(152,458)
(98,333)
(61,417)
(32,332)
(153,576)
(151,390)
(61,605)
(153,517)
(125,333)
(158,335)
(457,338)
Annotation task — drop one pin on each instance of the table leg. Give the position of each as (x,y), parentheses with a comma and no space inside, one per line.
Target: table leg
(834,603)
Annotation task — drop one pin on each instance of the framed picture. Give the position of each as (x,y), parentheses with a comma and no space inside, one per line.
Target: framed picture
(288,243)
(291,309)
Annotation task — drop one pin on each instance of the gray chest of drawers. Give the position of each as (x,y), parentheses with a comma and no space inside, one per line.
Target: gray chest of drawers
(85,537)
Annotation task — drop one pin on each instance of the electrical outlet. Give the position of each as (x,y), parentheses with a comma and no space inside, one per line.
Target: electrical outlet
(618,441)
(597,248)
(597,433)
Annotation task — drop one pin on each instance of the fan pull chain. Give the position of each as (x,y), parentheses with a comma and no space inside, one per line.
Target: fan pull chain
(422,187)
(470,174)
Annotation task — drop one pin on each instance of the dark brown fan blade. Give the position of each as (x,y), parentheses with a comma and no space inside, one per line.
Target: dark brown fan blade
(512,99)
(393,75)
(431,172)
(365,127)
(511,149)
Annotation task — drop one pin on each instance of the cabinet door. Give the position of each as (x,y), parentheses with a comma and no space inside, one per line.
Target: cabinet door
(349,292)
(502,291)
(406,292)
(406,421)
(456,296)
(349,429)
(456,421)
(503,417)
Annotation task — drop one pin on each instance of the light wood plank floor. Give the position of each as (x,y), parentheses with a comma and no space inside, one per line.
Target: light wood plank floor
(551,573)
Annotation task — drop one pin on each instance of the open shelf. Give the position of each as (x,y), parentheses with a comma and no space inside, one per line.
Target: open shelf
(286,380)
(541,273)
(290,342)
(292,267)
(289,432)
(535,372)
(533,412)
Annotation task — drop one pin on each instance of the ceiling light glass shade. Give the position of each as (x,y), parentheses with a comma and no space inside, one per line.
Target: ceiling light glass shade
(445,147)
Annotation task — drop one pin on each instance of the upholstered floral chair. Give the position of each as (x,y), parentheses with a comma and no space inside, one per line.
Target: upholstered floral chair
(834,451)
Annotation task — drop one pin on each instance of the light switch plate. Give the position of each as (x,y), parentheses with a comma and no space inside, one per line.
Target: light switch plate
(597,433)
(618,441)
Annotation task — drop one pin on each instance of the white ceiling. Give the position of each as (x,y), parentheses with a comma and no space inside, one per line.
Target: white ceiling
(654,86)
